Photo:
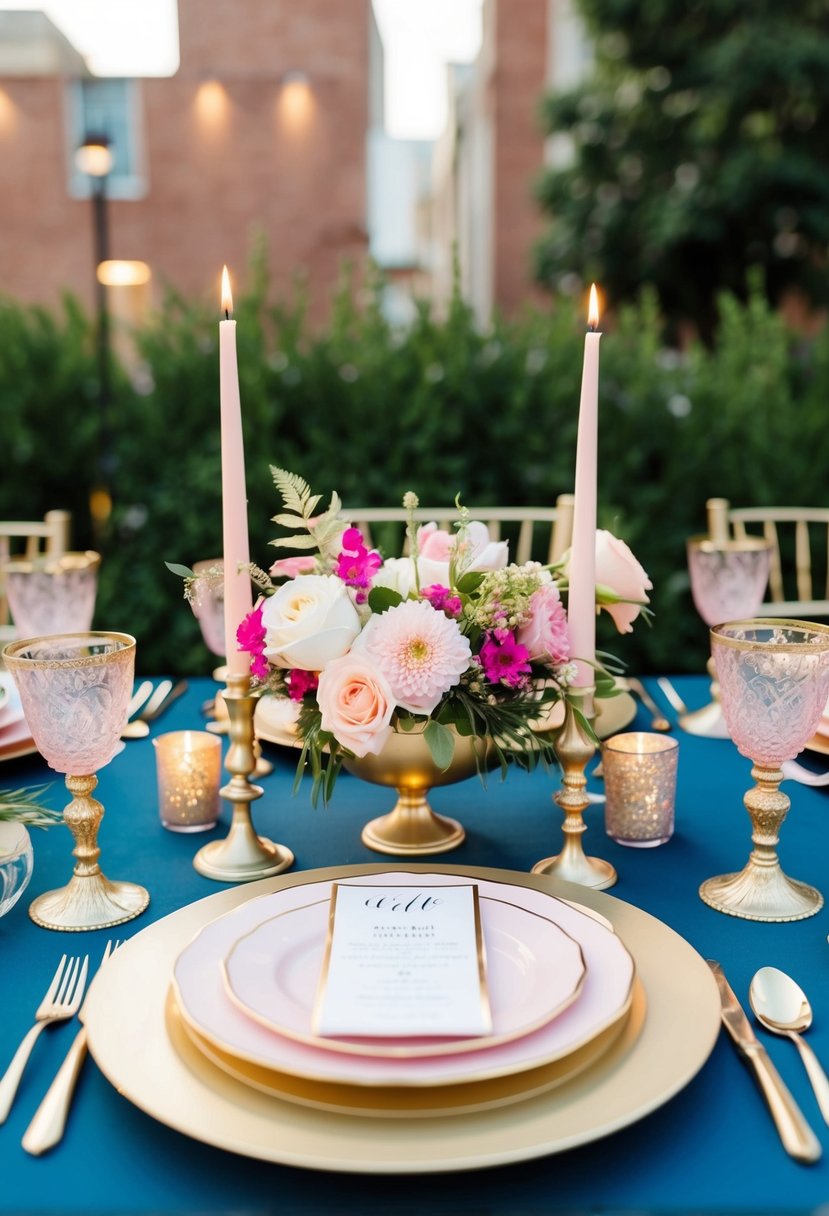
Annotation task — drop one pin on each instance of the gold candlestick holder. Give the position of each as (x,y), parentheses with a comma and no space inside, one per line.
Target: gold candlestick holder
(575,751)
(242,856)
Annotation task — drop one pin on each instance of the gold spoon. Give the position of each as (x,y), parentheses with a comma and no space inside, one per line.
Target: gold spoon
(782,1007)
(658,719)
(163,696)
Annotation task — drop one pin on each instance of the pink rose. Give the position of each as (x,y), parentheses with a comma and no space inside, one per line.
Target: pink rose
(435,548)
(290,567)
(356,703)
(619,571)
(545,634)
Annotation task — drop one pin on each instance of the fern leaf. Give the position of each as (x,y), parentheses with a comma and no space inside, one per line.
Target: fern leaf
(294,490)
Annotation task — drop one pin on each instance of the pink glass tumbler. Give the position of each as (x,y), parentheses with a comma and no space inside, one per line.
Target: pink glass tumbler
(774,684)
(74,689)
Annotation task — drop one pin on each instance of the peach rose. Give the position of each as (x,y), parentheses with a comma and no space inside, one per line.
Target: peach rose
(618,571)
(356,703)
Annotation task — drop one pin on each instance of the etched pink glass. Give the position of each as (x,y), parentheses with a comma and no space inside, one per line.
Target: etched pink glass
(75,688)
(728,581)
(774,684)
(208,603)
(52,595)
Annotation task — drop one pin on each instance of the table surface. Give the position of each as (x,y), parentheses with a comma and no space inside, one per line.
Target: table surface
(712,1148)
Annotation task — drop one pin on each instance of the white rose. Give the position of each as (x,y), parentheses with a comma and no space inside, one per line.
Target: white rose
(397,573)
(310,620)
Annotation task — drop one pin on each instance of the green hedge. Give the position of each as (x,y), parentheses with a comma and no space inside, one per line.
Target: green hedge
(441,408)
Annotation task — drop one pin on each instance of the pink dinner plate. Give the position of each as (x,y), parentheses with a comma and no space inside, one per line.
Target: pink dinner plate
(533,969)
(15,735)
(205,1005)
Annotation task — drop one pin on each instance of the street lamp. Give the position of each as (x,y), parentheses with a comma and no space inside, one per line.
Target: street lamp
(94,158)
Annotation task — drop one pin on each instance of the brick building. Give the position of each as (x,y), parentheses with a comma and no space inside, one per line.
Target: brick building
(261,130)
(494,149)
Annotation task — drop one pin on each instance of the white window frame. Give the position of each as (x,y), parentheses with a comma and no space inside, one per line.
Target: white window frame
(119,185)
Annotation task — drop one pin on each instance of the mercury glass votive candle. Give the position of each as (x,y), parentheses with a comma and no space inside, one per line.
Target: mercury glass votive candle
(188,764)
(640,787)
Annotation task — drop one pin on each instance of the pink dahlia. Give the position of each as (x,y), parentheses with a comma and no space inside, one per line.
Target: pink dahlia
(421,652)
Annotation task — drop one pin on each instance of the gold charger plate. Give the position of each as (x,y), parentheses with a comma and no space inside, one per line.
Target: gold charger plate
(405,1103)
(125,1016)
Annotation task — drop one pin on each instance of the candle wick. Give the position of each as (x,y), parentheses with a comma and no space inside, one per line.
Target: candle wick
(227,314)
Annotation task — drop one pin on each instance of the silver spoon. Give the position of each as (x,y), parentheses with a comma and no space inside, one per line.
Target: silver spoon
(781,1006)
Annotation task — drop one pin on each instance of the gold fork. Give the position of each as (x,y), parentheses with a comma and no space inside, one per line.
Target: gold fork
(61,1001)
(46,1127)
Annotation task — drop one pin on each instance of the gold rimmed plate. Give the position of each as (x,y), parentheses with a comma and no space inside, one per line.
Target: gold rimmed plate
(205,1005)
(534,971)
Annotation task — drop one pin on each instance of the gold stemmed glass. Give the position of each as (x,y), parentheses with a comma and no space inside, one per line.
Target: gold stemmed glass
(74,688)
(728,581)
(774,684)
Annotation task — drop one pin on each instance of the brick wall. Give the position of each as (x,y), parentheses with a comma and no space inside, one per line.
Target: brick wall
(229,153)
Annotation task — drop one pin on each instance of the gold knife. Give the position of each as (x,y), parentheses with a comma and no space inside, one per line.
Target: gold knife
(798,1138)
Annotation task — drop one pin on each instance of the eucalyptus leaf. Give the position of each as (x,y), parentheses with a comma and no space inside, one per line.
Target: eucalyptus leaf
(181,571)
(441,743)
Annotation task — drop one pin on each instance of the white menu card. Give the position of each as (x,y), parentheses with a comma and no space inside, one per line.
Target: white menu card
(403,962)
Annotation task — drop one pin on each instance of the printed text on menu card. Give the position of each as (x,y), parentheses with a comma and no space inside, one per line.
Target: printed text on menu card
(403,962)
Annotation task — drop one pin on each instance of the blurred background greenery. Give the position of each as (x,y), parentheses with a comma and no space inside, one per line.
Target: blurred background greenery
(439,407)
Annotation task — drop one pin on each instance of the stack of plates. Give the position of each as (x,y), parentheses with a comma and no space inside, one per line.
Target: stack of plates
(560,988)
(204,1021)
(15,736)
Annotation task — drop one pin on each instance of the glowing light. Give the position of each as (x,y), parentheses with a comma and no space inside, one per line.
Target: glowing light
(593,309)
(296,102)
(8,114)
(212,104)
(227,298)
(123,273)
(94,156)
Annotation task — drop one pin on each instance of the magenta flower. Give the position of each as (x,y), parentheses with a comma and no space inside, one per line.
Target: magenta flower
(357,565)
(250,636)
(504,660)
(300,682)
(443,599)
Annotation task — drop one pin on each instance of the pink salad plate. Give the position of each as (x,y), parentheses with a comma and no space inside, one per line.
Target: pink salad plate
(15,736)
(203,1002)
(533,971)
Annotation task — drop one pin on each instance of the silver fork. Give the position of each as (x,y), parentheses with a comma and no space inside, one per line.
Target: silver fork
(62,1001)
(49,1121)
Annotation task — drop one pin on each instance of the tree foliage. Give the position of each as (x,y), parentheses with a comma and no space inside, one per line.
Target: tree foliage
(700,148)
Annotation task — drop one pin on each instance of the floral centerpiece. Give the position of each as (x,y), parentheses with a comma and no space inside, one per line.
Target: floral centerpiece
(451,639)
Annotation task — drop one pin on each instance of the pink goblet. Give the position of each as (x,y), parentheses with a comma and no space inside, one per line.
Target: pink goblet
(52,594)
(75,688)
(728,582)
(774,684)
(208,604)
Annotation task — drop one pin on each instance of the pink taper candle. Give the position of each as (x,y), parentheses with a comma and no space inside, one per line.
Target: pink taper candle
(581,602)
(238,596)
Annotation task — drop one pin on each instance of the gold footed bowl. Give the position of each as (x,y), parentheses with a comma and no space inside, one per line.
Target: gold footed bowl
(411,828)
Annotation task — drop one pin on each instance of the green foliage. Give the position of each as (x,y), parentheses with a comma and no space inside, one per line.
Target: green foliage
(700,146)
(441,408)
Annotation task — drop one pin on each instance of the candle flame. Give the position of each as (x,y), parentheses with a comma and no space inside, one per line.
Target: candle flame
(227,298)
(593,309)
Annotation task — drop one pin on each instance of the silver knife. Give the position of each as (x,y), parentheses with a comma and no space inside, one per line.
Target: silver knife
(798,1138)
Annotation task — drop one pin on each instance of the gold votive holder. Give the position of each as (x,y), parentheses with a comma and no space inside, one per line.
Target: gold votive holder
(640,788)
(189,770)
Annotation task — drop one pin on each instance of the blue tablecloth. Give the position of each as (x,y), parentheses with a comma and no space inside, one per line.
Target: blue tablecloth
(712,1148)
